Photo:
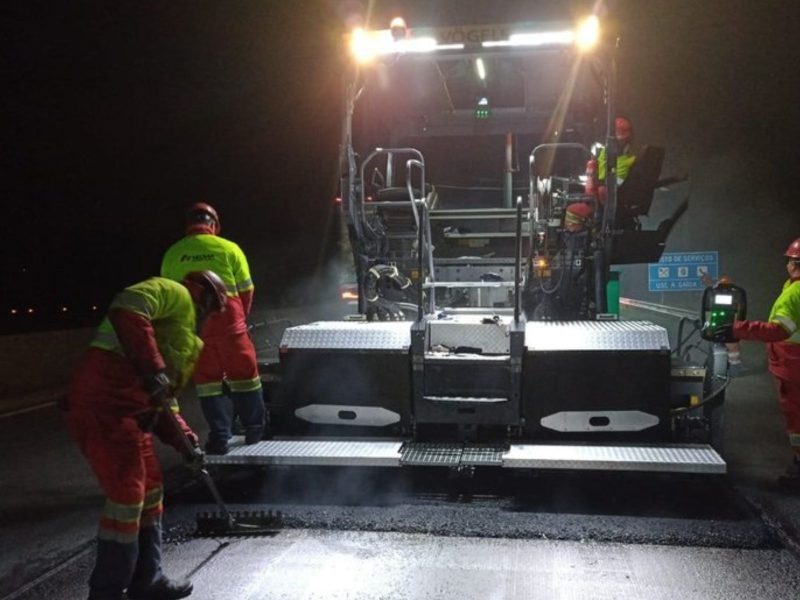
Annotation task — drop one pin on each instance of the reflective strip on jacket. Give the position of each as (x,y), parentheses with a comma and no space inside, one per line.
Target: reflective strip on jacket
(201,252)
(784,356)
(170,309)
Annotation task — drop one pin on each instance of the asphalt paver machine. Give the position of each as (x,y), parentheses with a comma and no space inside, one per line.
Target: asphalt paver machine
(487,331)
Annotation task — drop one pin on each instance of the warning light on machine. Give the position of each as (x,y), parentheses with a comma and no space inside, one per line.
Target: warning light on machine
(482,110)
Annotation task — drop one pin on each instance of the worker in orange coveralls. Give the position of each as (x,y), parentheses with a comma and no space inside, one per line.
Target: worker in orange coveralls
(578,216)
(227,371)
(142,354)
(781,332)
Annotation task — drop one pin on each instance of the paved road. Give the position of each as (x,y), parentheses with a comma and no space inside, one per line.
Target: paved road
(372,534)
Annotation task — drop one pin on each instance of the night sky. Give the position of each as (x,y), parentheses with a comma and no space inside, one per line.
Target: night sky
(119,115)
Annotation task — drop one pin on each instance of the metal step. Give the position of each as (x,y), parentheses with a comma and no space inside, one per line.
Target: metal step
(675,458)
(380,452)
(455,454)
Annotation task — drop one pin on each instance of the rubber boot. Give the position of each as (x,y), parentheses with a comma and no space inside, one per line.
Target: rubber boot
(149,581)
(218,416)
(113,570)
(250,408)
(790,480)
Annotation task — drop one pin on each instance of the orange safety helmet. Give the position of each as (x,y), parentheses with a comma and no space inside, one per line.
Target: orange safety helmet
(793,251)
(202,213)
(623,128)
(207,289)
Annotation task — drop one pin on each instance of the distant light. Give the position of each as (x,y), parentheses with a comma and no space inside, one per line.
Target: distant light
(14,311)
(479,66)
(588,33)
(64,309)
(94,307)
(30,311)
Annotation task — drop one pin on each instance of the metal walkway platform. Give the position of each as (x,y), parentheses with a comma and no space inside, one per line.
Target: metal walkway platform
(674,458)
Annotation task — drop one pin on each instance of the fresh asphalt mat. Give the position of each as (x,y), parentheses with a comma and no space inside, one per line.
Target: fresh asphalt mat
(578,506)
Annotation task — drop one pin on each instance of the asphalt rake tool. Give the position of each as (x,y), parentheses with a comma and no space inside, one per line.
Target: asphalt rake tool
(224,522)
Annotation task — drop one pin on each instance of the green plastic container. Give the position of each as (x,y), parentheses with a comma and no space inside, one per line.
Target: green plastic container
(612,292)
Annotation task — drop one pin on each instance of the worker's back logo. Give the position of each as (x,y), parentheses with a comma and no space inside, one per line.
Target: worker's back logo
(196,257)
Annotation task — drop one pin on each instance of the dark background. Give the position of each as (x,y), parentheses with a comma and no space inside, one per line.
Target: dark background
(118,115)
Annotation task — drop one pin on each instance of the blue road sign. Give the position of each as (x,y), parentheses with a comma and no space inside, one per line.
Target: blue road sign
(682,271)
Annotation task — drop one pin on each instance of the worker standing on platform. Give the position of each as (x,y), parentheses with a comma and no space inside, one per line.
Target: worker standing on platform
(626,156)
(782,335)
(142,354)
(228,361)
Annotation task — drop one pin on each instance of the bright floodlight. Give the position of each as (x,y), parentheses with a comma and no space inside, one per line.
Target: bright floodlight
(366,46)
(588,33)
(362,46)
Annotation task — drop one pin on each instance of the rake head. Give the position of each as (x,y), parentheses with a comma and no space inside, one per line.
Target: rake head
(238,523)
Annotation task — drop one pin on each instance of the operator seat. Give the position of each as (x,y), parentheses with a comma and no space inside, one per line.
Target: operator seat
(635,195)
(632,245)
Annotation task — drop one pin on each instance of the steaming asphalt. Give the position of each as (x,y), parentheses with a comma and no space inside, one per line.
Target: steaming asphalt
(372,533)
(397,533)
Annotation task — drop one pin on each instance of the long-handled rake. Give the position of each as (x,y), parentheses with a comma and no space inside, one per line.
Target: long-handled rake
(224,522)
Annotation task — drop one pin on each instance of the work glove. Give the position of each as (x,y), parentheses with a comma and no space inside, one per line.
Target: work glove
(159,387)
(721,334)
(195,460)
(735,367)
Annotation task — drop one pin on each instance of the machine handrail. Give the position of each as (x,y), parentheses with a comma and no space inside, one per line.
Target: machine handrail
(532,162)
(518,257)
(361,198)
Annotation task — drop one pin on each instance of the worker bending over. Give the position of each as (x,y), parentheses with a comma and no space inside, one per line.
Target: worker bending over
(142,354)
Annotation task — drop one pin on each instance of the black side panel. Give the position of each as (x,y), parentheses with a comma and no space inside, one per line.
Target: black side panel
(347,378)
(610,380)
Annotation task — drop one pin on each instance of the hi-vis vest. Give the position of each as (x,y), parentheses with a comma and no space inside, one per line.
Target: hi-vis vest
(205,252)
(169,307)
(786,310)
(624,164)
(784,356)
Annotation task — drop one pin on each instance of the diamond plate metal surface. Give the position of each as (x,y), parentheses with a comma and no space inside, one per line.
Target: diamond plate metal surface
(355,453)
(467,330)
(668,459)
(395,453)
(342,335)
(594,335)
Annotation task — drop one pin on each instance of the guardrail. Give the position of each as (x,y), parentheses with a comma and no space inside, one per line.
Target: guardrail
(661,308)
